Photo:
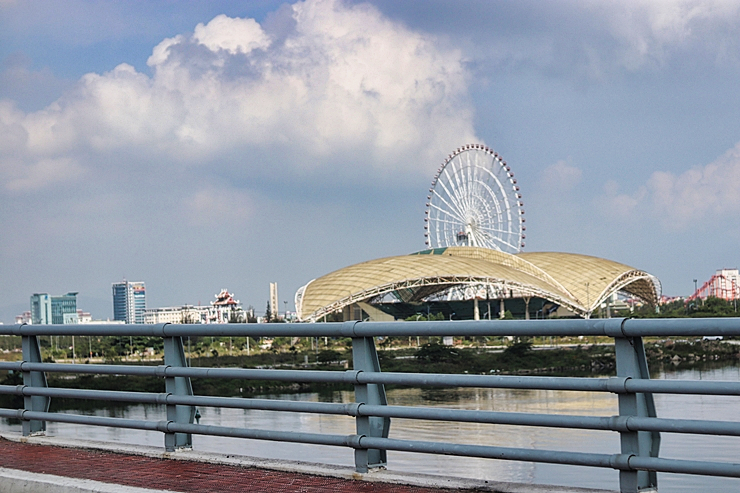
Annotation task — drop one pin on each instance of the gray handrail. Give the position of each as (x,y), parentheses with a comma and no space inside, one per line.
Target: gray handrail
(637,422)
(612,327)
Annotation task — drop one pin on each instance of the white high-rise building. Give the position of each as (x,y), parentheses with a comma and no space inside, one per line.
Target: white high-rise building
(129,301)
(728,284)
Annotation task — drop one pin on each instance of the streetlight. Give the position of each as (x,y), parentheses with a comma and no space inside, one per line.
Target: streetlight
(449,340)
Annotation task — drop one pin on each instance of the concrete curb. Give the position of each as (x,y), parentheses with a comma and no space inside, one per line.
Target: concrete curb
(299,467)
(15,481)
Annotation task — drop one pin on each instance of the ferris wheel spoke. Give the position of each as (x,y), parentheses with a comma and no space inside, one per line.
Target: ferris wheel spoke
(449,187)
(453,191)
(446,212)
(453,208)
(457,224)
(491,231)
(469,181)
(503,242)
(454,201)
(464,162)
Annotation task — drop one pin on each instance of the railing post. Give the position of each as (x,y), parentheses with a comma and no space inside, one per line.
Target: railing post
(365,358)
(32,354)
(632,363)
(174,355)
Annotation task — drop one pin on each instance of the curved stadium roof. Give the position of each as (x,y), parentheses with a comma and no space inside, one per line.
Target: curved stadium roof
(578,282)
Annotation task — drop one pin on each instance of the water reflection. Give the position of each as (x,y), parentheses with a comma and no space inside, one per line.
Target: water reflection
(551,402)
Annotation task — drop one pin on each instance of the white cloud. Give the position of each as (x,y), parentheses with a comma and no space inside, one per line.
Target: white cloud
(232,35)
(620,205)
(560,176)
(651,31)
(678,201)
(43,173)
(344,87)
(713,189)
(597,40)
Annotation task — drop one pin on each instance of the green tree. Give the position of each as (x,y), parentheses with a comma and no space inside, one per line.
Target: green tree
(328,356)
(519,348)
(437,353)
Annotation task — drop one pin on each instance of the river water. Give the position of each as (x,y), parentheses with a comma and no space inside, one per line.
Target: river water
(695,447)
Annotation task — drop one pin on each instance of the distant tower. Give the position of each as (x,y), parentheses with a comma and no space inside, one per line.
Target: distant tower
(40,308)
(64,309)
(47,309)
(274,308)
(129,301)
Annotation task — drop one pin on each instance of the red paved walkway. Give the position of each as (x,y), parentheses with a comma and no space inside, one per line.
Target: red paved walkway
(176,475)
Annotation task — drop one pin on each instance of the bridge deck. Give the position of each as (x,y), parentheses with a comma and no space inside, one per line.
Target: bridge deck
(183,476)
(174,473)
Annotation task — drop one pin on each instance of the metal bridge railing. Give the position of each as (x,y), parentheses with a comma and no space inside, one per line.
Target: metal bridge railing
(637,424)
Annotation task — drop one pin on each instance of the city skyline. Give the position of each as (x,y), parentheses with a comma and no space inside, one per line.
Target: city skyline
(128,305)
(237,144)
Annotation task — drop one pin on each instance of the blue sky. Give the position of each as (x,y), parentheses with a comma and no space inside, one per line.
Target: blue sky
(206,145)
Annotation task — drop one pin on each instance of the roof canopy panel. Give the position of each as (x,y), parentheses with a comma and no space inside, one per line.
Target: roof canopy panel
(578,282)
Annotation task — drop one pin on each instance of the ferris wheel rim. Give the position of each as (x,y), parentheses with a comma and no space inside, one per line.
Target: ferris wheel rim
(475,192)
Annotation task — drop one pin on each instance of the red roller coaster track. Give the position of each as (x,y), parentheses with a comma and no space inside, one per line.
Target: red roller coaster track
(718,286)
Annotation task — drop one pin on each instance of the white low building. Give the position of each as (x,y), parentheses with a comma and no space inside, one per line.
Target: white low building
(224,309)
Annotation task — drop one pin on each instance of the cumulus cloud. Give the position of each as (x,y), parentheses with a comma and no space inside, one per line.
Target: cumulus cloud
(561,176)
(232,35)
(593,41)
(678,201)
(322,87)
(651,31)
(19,81)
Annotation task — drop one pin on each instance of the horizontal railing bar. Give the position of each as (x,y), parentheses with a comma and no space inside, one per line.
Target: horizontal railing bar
(261,374)
(597,423)
(603,423)
(613,384)
(489,452)
(187,400)
(256,434)
(134,424)
(614,327)
(94,369)
(98,395)
(693,426)
(172,427)
(615,461)
(684,327)
(681,466)
(697,387)
(179,371)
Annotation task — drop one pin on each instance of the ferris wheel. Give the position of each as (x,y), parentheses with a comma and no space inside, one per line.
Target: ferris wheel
(474,201)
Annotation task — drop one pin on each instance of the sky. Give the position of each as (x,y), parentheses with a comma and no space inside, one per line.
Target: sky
(197,146)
